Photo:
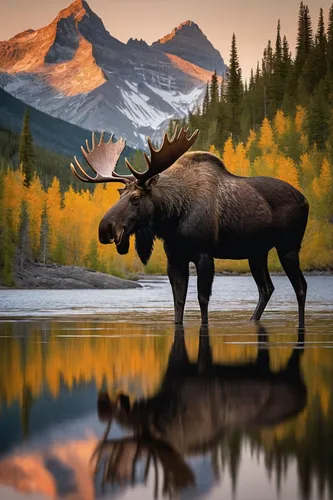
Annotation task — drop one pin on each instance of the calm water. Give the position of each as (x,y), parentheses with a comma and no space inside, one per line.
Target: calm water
(100,398)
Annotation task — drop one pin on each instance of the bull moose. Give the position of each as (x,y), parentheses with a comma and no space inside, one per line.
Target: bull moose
(198,405)
(201,211)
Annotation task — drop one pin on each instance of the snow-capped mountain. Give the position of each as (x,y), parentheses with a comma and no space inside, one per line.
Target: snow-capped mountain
(74,69)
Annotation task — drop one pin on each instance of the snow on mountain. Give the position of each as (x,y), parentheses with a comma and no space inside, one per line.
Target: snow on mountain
(75,70)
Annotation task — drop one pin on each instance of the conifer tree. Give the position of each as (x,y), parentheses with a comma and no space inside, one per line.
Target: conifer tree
(330,43)
(286,58)
(308,33)
(205,104)
(276,81)
(214,93)
(301,54)
(234,92)
(318,117)
(26,151)
(317,63)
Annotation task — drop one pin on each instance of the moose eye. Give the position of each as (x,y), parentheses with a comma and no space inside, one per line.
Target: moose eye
(135,200)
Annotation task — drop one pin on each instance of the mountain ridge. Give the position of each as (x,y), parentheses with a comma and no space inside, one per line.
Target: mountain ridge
(75,69)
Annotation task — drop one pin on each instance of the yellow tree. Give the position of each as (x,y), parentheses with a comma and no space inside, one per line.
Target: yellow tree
(266,141)
(54,212)
(242,163)
(35,197)
(229,155)
(280,124)
(287,171)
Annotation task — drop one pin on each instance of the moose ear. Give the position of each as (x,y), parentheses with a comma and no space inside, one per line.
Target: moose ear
(152,182)
(121,190)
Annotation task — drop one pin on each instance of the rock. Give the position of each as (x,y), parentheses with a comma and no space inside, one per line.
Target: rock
(55,276)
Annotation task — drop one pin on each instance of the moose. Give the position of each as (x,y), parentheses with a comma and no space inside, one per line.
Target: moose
(201,211)
(198,405)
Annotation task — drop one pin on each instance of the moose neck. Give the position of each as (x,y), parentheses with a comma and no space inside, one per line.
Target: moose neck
(170,205)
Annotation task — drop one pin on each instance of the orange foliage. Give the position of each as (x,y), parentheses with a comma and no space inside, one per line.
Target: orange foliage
(242,163)
(287,171)
(229,155)
(280,123)
(266,141)
(53,204)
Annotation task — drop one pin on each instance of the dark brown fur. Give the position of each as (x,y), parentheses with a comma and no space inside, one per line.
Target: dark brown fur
(201,212)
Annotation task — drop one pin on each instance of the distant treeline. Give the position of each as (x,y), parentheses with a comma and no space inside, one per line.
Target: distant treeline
(279,82)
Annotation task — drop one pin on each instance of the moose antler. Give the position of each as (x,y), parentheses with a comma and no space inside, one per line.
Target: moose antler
(121,457)
(163,158)
(102,159)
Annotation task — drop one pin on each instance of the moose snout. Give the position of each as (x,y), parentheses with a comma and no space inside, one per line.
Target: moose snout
(109,232)
(105,232)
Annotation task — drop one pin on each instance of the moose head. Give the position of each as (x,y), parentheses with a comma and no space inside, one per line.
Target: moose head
(134,212)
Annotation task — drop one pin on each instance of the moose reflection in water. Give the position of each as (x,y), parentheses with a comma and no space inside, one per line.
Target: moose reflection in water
(196,407)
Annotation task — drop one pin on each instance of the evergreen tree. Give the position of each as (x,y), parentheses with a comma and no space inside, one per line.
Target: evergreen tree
(26,151)
(318,117)
(214,93)
(222,128)
(330,43)
(259,97)
(300,44)
(308,33)
(24,239)
(317,63)
(205,104)
(268,60)
(234,92)
(276,82)
(44,247)
(304,69)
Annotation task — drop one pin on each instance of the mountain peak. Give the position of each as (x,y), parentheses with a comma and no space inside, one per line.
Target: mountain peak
(182,27)
(77,9)
(187,23)
(188,42)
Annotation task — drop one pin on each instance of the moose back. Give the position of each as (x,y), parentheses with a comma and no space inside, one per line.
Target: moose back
(201,211)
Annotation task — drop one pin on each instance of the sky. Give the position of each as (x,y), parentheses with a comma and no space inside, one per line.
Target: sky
(254,22)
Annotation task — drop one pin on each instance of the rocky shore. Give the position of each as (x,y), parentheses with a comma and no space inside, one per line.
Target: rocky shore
(55,276)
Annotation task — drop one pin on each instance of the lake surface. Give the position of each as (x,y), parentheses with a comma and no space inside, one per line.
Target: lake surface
(101,398)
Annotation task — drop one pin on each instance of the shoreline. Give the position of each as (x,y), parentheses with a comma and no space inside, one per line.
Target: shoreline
(36,276)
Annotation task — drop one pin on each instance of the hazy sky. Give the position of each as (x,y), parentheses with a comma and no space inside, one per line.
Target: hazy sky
(254,22)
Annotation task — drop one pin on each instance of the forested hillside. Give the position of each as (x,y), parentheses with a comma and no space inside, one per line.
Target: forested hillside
(278,124)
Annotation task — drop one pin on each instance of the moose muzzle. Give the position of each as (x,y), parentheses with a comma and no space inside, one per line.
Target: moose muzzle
(110,233)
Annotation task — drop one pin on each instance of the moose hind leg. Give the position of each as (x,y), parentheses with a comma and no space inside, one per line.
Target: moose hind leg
(205,271)
(259,270)
(178,273)
(290,263)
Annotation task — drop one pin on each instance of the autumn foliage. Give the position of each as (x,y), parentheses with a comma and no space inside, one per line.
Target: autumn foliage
(73,217)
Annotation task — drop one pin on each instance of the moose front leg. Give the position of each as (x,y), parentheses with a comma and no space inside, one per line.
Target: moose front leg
(178,275)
